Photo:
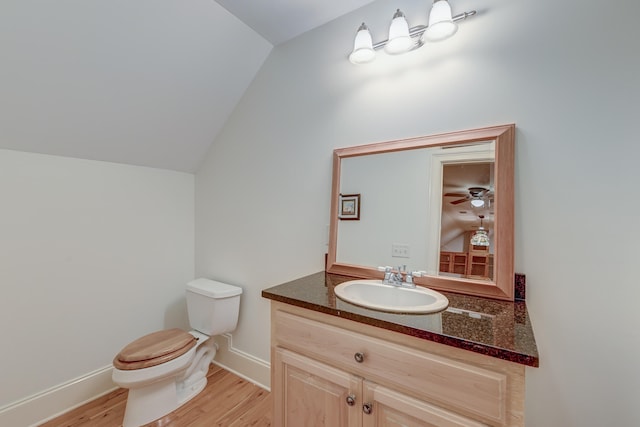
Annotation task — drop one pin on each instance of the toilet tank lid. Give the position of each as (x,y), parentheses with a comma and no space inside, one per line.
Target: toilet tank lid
(213,289)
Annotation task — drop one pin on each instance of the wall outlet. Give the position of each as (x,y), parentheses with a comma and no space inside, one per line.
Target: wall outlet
(399,251)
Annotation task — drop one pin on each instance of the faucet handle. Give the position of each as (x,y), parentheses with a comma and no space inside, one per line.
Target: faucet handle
(386,269)
(387,273)
(410,276)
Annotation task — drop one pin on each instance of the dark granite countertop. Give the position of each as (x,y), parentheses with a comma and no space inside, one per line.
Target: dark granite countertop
(494,328)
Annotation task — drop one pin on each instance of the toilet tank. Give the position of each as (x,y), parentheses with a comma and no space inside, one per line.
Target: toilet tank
(213,306)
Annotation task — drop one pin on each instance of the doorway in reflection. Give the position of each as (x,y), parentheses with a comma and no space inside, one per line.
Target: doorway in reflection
(466,225)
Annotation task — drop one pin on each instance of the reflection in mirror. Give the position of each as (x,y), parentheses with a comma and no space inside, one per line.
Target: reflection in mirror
(466,226)
(393,210)
(421,201)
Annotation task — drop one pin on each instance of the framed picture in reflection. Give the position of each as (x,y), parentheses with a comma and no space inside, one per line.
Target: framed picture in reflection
(349,207)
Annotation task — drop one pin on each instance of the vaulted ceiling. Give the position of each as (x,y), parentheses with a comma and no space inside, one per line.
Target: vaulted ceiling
(282,20)
(146,82)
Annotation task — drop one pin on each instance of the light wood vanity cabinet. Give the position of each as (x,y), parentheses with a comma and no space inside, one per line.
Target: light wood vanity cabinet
(333,372)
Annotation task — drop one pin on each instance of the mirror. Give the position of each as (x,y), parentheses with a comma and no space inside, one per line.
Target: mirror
(409,202)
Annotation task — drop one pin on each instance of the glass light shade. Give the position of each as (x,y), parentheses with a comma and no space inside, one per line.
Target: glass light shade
(399,39)
(441,25)
(477,203)
(480,238)
(362,47)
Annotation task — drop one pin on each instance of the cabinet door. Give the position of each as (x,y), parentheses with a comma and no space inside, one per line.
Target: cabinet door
(459,261)
(478,266)
(311,394)
(445,262)
(384,407)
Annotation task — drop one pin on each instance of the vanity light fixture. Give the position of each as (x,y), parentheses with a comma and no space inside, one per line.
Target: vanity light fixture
(399,39)
(402,38)
(441,25)
(480,238)
(362,47)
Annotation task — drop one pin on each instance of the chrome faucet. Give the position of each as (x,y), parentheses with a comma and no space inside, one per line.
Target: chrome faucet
(395,278)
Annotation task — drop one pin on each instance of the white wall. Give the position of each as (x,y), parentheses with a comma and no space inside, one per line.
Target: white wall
(394,189)
(92,256)
(567,73)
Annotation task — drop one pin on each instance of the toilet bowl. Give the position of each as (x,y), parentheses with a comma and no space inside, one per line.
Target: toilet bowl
(165,369)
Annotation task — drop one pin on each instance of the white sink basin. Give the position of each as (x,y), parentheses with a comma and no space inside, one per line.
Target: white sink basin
(375,295)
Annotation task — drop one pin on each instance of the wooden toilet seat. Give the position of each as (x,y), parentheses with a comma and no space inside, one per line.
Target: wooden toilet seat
(154,349)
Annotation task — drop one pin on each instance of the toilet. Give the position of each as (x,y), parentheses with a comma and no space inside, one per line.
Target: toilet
(165,369)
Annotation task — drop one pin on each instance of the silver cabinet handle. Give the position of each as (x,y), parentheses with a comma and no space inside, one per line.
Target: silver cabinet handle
(351,400)
(359,356)
(367,408)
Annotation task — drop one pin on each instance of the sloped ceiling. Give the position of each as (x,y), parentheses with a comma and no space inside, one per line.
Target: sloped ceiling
(145,82)
(282,20)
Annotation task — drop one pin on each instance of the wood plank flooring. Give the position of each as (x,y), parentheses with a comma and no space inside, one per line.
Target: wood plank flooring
(226,401)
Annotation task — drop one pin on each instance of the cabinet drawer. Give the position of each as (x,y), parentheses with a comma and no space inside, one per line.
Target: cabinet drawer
(468,388)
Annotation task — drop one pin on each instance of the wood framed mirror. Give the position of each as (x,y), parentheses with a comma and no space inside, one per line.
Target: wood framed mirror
(410,191)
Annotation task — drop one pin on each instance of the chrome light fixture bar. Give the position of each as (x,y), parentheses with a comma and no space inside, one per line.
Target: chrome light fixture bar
(402,39)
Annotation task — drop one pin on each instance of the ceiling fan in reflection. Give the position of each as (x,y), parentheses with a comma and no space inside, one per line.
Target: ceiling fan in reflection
(478,196)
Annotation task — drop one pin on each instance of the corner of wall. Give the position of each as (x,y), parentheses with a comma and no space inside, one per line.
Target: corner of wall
(244,365)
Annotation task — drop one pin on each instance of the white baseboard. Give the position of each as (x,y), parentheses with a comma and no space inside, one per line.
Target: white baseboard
(53,402)
(243,364)
(48,404)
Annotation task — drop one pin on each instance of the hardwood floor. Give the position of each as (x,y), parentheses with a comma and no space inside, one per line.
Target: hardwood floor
(226,401)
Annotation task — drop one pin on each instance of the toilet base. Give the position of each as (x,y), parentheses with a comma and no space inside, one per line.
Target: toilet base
(153,401)
(150,403)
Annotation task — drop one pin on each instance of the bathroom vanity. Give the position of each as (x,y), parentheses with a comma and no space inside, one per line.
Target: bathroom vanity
(337,364)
